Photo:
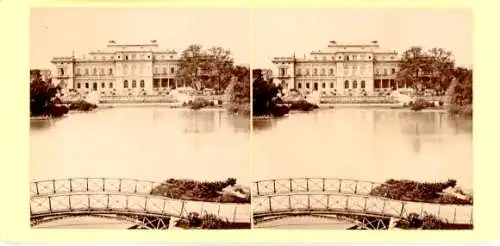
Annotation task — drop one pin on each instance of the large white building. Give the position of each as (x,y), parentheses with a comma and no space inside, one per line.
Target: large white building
(340,69)
(119,69)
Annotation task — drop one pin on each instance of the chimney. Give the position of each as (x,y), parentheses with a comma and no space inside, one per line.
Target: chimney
(333,42)
(153,41)
(112,42)
(374,42)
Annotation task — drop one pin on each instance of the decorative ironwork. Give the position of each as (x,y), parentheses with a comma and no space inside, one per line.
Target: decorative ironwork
(343,197)
(125,197)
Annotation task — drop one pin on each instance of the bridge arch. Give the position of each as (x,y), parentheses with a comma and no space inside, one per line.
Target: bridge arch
(347,198)
(127,198)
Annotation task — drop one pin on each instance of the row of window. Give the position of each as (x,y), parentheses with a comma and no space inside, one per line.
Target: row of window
(355,57)
(110,85)
(102,71)
(133,57)
(94,71)
(332,85)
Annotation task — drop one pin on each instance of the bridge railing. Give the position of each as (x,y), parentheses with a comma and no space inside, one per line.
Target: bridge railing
(101,203)
(331,185)
(356,204)
(73,185)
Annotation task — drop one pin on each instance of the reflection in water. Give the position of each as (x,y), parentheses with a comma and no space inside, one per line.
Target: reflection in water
(144,143)
(368,144)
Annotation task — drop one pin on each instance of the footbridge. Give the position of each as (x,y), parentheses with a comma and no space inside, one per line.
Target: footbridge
(344,199)
(124,199)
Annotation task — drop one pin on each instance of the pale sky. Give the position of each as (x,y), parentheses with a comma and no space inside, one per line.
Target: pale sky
(283,32)
(56,32)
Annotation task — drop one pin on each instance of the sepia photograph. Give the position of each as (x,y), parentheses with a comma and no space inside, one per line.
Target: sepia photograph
(362,119)
(140,118)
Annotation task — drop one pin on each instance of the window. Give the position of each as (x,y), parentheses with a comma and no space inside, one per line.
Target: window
(346,84)
(322,71)
(125,69)
(307,71)
(133,57)
(354,57)
(134,84)
(282,72)
(78,85)
(299,85)
(331,85)
(103,85)
(307,85)
(347,58)
(363,84)
(331,71)
(354,84)
(86,71)
(299,71)
(385,71)
(315,72)
(323,85)
(164,70)
(102,71)
(126,57)
(125,84)
(340,57)
(118,57)
(61,71)
(369,57)
(377,70)
(94,71)
(393,70)
(110,71)
(156,70)
(94,86)
(142,83)
(86,85)
(110,85)
(172,70)
(78,71)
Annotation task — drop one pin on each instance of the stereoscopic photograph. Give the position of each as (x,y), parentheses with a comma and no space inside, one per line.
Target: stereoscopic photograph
(362,119)
(140,118)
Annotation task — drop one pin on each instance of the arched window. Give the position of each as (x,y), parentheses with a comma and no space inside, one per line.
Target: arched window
(323,85)
(346,84)
(172,70)
(363,84)
(299,85)
(354,84)
(110,71)
(307,85)
(125,84)
(307,71)
(110,85)
(331,71)
(61,71)
(134,84)
(331,85)
(87,85)
(78,86)
(86,71)
(142,83)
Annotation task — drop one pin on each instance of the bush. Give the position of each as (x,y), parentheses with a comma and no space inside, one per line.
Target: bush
(407,190)
(302,105)
(419,104)
(198,191)
(208,221)
(82,105)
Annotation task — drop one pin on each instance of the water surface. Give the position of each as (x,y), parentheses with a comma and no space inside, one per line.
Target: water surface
(364,143)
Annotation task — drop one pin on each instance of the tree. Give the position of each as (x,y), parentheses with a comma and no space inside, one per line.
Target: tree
(462,93)
(210,68)
(241,85)
(190,63)
(42,96)
(220,62)
(428,69)
(263,94)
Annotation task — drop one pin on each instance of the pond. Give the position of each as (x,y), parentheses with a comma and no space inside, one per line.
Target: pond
(373,144)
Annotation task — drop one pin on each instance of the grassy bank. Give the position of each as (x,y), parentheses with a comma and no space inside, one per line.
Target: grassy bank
(201,191)
(407,190)
(429,222)
(209,221)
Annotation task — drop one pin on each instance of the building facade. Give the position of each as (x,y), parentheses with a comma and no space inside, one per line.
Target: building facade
(340,69)
(119,69)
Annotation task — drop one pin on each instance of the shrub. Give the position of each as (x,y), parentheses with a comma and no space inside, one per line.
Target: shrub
(208,221)
(419,104)
(407,190)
